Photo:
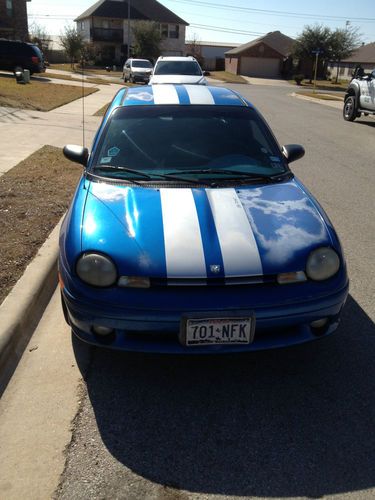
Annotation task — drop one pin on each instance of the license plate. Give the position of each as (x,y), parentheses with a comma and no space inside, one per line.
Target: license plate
(231,330)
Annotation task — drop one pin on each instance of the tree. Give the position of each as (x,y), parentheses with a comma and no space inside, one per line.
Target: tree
(194,48)
(73,44)
(313,38)
(39,36)
(147,39)
(343,43)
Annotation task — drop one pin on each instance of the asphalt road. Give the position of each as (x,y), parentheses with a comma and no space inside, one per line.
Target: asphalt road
(290,423)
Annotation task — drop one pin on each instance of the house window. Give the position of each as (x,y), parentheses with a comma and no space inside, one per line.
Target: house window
(9,7)
(174,31)
(164,30)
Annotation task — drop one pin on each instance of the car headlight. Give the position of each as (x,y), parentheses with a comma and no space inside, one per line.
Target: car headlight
(96,269)
(322,264)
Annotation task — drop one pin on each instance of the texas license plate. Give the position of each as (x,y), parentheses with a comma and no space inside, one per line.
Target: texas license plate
(217,330)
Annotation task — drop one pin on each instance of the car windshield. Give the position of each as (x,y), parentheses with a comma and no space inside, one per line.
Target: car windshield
(178,68)
(198,142)
(142,64)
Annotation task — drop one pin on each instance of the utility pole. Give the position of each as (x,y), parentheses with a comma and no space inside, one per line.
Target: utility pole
(128,29)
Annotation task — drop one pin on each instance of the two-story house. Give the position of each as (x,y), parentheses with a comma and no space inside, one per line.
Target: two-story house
(106,24)
(13,19)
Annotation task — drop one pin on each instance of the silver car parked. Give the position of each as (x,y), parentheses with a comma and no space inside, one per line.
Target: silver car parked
(137,70)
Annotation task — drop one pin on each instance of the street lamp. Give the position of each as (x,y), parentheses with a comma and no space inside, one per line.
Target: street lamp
(128,28)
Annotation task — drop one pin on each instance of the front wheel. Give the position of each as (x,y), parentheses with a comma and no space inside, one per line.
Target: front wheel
(350,109)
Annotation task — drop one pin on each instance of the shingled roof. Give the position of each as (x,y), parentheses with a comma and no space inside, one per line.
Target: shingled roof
(275,39)
(139,9)
(365,55)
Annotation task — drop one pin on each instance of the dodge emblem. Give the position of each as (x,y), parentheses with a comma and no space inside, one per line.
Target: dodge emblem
(215,268)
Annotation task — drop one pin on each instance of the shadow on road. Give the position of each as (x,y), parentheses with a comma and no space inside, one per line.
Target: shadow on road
(295,422)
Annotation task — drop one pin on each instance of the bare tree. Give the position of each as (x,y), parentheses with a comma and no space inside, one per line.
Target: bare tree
(194,48)
(39,36)
(73,44)
(343,43)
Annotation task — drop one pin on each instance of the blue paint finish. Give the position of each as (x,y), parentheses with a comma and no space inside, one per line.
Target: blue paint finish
(286,225)
(183,96)
(126,223)
(210,240)
(226,97)
(139,96)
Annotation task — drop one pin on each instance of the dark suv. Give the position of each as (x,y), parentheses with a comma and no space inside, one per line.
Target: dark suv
(17,56)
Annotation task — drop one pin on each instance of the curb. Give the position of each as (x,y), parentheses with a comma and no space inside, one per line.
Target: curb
(24,306)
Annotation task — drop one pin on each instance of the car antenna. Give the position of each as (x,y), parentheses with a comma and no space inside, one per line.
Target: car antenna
(83,98)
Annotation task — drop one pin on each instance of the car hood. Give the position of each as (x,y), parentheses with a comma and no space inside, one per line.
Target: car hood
(155,79)
(199,233)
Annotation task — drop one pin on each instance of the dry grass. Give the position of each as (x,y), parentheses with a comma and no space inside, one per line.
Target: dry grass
(319,95)
(227,77)
(102,111)
(73,78)
(94,71)
(38,95)
(323,85)
(33,197)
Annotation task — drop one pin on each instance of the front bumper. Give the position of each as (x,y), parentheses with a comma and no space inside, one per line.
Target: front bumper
(156,329)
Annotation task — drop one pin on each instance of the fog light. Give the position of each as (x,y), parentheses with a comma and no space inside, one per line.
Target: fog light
(103,331)
(319,323)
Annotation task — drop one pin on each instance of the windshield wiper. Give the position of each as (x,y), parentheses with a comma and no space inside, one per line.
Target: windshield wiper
(251,175)
(149,177)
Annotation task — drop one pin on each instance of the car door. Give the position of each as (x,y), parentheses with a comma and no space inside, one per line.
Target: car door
(371,84)
(127,70)
(367,89)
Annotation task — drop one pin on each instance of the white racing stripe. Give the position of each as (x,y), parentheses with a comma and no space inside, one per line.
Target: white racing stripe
(199,94)
(165,94)
(182,236)
(237,242)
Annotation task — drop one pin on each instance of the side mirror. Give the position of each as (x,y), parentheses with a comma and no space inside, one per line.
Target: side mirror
(206,73)
(293,152)
(77,154)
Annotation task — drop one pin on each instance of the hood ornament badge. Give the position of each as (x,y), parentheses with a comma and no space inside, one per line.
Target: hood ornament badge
(215,268)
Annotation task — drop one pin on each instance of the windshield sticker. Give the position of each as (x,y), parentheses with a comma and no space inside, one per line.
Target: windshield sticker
(275,158)
(106,159)
(113,151)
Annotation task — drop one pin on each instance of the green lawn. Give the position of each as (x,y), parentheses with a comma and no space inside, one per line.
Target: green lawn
(227,77)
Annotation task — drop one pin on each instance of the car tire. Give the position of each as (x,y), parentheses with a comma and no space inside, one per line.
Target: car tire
(131,79)
(125,79)
(350,112)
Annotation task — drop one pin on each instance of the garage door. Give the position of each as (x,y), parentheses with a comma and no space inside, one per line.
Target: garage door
(260,66)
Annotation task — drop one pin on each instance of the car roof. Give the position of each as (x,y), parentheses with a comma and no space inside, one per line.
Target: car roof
(176,58)
(177,94)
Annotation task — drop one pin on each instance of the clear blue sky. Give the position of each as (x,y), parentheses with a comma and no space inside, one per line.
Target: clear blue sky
(231,20)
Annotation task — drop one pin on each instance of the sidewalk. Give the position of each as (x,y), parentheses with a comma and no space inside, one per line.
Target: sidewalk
(23,131)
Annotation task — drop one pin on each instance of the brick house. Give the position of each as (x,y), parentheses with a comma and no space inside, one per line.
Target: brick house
(105,25)
(268,56)
(364,55)
(13,20)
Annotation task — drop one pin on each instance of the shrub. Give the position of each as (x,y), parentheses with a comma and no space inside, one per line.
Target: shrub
(298,78)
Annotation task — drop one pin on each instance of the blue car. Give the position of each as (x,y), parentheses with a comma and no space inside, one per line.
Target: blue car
(188,233)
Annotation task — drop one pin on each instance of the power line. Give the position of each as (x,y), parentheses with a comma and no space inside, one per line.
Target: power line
(274,12)
(225,30)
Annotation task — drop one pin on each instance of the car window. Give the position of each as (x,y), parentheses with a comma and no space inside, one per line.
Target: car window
(175,138)
(141,64)
(178,68)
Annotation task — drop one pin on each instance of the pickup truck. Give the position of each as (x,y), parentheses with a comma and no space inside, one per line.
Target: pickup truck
(360,97)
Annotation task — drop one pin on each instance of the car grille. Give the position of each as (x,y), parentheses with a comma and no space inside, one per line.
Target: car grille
(245,280)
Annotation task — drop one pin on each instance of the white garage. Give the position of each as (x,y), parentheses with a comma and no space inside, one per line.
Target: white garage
(262,67)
